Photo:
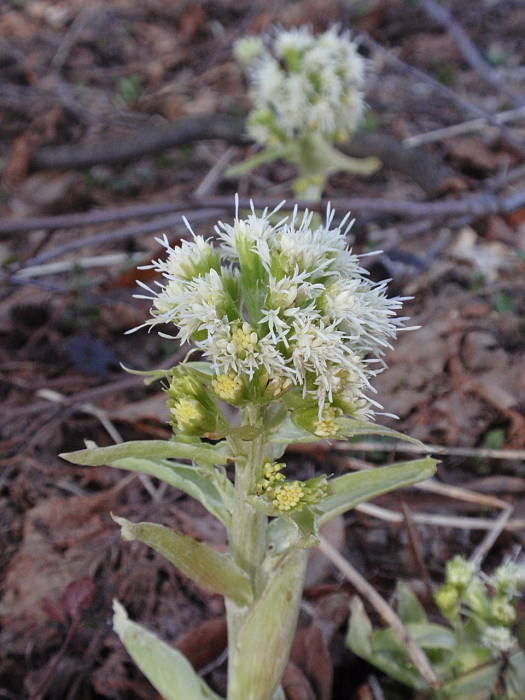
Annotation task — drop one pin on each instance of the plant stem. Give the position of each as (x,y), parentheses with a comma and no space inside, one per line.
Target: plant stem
(248,531)
(247,535)
(260,634)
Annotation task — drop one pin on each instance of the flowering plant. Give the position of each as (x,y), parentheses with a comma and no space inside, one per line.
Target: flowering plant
(475,656)
(308,94)
(291,332)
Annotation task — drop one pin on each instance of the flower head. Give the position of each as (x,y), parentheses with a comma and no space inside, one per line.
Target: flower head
(460,572)
(301,83)
(286,304)
(498,639)
(509,579)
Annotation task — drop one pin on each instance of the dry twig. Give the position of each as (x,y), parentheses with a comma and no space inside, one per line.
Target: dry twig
(481,452)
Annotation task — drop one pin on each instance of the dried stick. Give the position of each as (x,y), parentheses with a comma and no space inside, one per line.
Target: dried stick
(492,535)
(483,452)
(468,50)
(147,141)
(462,128)
(452,521)
(414,541)
(362,586)
(461,102)
(108,260)
(163,224)
(90,218)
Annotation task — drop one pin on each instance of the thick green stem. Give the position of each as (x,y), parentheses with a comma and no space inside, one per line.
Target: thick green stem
(260,634)
(248,530)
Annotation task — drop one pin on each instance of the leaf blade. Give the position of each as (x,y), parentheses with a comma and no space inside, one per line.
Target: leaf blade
(208,568)
(349,490)
(149,449)
(350,428)
(256,668)
(170,673)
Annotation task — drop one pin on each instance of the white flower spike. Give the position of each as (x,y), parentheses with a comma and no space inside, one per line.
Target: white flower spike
(287,302)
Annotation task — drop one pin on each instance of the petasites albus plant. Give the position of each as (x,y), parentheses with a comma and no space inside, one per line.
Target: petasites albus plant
(291,333)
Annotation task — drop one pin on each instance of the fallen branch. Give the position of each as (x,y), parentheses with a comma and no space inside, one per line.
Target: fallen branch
(163,224)
(459,522)
(480,452)
(426,170)
(478,204)
(462,128)
(147,141)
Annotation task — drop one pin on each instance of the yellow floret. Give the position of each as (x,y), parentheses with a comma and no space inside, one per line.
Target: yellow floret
(288,496)
(227,386)
(244,338)
(188,413)
(326,426)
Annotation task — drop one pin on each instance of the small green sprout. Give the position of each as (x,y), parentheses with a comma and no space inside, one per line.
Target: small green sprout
(476,655)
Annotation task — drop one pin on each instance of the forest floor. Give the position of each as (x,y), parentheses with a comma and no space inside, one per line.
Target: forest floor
(75,75)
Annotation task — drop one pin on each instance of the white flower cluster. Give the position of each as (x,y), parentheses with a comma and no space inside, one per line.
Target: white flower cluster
(284,303)
(302,83)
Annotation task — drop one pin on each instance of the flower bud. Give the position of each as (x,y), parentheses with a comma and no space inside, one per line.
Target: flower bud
(498,639)
(502,610)
(460,572)
(192,409)
(447,600)
(189,416)
(509,579)
(227,387)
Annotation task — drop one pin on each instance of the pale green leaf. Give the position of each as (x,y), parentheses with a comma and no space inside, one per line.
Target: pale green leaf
(351,428)
(281,534)
(210,569)
(514,676)
(150,449)
(408,606)
(474,685)
(428,635)
(380,648)
(347,491)
(359,634)
(266,634)
(288,433)
(167,669)
(265,156)
(186,478)
(150,375)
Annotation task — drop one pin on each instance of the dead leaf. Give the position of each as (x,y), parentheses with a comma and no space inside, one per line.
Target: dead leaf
(295,684)
(63,541)
(488,257)
(310,648)
(204,643)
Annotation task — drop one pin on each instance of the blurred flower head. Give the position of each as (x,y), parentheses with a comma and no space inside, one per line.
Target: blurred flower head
(301,83)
